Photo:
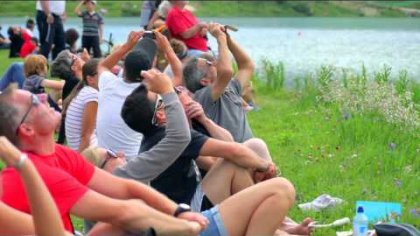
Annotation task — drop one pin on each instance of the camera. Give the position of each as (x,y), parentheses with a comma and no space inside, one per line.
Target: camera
(149,34)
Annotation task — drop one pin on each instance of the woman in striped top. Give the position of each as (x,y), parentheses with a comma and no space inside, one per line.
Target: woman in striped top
(80,109)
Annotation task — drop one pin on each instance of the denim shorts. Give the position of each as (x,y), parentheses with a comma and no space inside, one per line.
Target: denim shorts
(216,226)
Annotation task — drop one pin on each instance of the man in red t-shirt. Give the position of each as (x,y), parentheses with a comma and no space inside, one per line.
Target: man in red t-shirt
(184,26)
(76,186)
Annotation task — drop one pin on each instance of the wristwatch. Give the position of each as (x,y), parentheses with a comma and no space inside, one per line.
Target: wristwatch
(181,209)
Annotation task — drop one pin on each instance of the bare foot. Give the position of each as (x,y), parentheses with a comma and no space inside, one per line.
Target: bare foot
(299,229)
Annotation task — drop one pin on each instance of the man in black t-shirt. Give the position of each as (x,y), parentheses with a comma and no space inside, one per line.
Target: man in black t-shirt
(181,181)
(241,207)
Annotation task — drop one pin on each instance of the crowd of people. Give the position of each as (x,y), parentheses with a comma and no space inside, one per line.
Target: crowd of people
(152,139)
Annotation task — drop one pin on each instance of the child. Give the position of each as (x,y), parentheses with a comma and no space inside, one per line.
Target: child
(92,27)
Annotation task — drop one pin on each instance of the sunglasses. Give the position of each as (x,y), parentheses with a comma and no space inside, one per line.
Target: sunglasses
(209,63)
(35,101)
(158,106)
(109,155)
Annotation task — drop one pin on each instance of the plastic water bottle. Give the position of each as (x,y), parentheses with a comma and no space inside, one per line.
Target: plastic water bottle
(360,223)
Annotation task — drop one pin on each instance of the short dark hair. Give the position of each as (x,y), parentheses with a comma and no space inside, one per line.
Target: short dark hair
(8,116)
(192,75)
(71,36)
(30,23)
(140,58)
(137,110)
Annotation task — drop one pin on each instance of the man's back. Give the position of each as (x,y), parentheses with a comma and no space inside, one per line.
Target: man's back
(112,132)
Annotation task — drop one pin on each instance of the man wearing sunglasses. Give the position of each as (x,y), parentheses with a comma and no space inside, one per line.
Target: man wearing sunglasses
(29,123)
(217,89)
(227,195)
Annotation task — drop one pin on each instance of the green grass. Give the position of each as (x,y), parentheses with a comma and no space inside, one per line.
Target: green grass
(362,157)
(320,152)
(235,8)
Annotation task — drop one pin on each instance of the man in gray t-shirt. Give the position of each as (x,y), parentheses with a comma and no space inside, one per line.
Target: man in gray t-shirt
(217,89)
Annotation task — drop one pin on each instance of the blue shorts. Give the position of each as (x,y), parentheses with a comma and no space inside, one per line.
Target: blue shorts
(216,226)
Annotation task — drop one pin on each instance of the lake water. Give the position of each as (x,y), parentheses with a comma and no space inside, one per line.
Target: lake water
(304,44)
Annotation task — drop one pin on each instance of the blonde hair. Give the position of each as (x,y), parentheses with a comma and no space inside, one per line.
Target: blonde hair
(35,65)
(92,155)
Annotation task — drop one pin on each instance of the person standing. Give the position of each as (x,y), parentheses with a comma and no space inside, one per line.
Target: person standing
(92,27)
(50,26)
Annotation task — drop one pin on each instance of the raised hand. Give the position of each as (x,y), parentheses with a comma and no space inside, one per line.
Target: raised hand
(162,42)
(8,152)
(216,29)
(133,38)
(156,81)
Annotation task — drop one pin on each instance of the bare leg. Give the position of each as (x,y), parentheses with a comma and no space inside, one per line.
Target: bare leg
(258,210)
(105,230)
(225,179)
(259,147)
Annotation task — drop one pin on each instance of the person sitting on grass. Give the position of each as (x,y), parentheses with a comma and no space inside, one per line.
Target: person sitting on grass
(172,145)
(68,67)
(22,42)
(45,219)
(76,186)
(36,71)
(216,90)
(238,167)
(80,109)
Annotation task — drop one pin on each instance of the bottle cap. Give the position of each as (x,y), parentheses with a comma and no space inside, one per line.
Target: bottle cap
(360,209)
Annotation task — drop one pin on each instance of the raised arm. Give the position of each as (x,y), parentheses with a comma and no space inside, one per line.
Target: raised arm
(46,218)
(224,67)
(191,32)
(150,164)
(109,62)
(174,62)
(246,66)
(115,187)
(77,9)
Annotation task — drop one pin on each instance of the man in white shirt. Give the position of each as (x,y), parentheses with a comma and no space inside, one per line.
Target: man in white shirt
(111,130)
(50,26)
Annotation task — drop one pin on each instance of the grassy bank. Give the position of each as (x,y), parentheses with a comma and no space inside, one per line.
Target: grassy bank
(239,8)
(332,136)
(357,138)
